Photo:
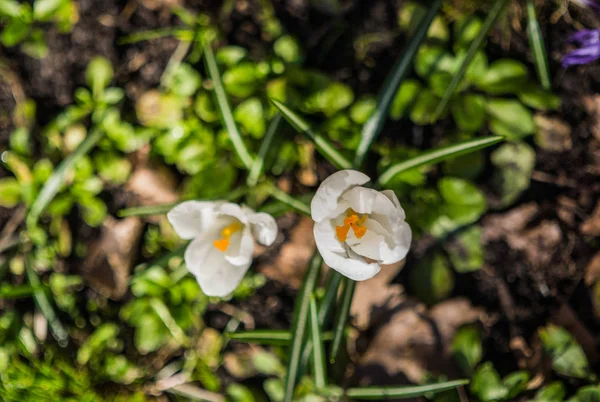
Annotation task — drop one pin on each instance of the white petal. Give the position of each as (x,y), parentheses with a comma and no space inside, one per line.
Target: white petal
(346,262)
(241,247)
(394,199)
(234,210)
(325,203)
(215,275)
(368,246)
(192,218)
(402,239)
(264,228)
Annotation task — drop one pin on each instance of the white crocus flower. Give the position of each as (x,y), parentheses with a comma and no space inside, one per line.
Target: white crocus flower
(223,236)
(358,228)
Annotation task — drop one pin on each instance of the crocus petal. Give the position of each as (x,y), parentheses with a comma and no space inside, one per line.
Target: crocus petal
(264,228)
(325,202)
(345,261)
(368,246)
(215,275)
(192,218)
(586,37)
(234,210)
(241,247)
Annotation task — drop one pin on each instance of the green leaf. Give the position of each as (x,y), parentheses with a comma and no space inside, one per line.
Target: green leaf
(184,80)
(486,384)
(539,98)
(300,324)
(97,342)
(55,182)
(224,108)
(98,74)
(318,355)
(538,48)
(150,334)
(44,9)
(93,211)
(112,168)
(288,49)
(514,164)
(251,116)
(41,300)
(377,393)
(258,166)
(493,14)
(241,80)
(465,251)
(35,45)
(504,76)
(467,348)
(391,84)
(422,112)
(330,100)
(433,58)
(10,192)
(362,109)
(14,32)
(466,30)
(590,393)
(432,279)
(342,317)
(468,112)
(516,383)
(239,393)
(568,358)
(553,392)
(438,155)
(323,146)
(230,55)
(10,9)
(404,98)
(262,336)
(510,118)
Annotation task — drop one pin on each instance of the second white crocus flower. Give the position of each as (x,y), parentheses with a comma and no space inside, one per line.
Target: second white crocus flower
(358,228)
(223,236)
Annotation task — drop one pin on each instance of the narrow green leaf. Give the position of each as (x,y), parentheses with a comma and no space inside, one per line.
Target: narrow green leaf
(162,311)
(287,199)
(538,48)
(262,336)
(259,162)
(160,209)
(179,33)
(323,146)
(56,180)
(147,210)
(328,301)
(41,300)
(438,155)
(401,67)
(491,18)
(318,355)
(224,108)
(16,292)
(300,323)
(402,392)
(342,318)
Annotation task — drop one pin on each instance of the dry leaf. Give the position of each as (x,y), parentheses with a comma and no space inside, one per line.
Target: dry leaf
(110,259)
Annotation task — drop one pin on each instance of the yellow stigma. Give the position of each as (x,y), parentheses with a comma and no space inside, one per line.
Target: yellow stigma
(222,243)
(353,221)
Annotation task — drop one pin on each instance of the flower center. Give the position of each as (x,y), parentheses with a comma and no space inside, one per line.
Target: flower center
(222,243)
(354,222)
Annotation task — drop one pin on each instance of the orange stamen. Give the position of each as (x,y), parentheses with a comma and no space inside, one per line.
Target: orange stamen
(223,243)
(351,221)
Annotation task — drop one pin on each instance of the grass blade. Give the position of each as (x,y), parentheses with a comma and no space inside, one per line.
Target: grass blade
(342,318)
(401,67)
(491,18)
(224,108)
(538,48)
(318,355)
(162,311)
(259,162)
(16,292)
(146,210)
(41,300)
(328,301)
(402,392)
(179,33)
(300,324)
(262,337)
(438,155)
(57,178)
(287,199)
(323,146)
(160,209)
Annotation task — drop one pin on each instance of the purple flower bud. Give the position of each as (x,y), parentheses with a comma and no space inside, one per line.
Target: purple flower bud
(588,42)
